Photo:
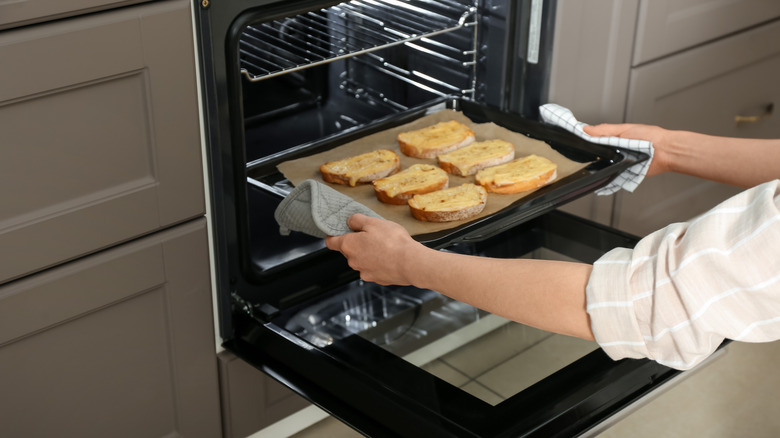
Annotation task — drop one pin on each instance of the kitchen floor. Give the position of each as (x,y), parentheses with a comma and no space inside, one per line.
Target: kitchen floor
(735,395)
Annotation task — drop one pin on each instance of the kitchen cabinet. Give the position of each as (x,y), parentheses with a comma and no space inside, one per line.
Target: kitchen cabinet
(703,90)
(693,65)
(99,127)
(22,13)
(106,321)
(669,26)
(115,344)
(251,400)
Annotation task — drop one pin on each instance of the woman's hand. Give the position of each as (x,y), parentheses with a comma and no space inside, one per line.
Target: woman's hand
(742,162)
(660,138)
(379,249)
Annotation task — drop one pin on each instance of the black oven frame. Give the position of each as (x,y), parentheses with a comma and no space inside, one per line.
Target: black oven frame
(585,393)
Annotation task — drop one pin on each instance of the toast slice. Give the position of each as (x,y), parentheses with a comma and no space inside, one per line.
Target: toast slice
(361,169)
(415,180)
(517,176)
(437,139)
(453,204)
(477,156)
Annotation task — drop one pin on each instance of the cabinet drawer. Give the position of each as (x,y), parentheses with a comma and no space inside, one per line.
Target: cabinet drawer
(668,26)
(251,400)
(24,12)
(705,89)
(117,344)
(99,133)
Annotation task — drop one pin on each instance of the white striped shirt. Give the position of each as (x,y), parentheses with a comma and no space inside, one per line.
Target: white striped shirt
(684,289)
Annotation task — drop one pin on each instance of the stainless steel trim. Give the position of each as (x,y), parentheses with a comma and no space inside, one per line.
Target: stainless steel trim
(535,31)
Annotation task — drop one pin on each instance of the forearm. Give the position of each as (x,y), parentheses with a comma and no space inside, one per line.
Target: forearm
(735,161)
(548,295)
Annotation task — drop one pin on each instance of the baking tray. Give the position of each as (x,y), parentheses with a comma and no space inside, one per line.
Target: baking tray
(598,166)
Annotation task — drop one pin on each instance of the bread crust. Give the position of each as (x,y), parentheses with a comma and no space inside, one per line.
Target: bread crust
(415,180)
(421,205)
(436,139)
(522,186)
(544,173)
(479,155)
(361,169)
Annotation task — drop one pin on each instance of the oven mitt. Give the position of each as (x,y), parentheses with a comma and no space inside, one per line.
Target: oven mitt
(317,210)
(630,178)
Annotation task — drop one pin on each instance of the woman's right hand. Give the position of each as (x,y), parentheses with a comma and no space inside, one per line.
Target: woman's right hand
(378,248)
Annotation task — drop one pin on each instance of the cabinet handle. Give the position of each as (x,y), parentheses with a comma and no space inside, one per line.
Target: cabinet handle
(753,119)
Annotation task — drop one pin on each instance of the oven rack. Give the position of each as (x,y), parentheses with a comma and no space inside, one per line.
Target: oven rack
(419,78)
(344,30)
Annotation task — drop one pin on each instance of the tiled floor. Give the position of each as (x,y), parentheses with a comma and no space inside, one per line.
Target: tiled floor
(508,360)
(737,395)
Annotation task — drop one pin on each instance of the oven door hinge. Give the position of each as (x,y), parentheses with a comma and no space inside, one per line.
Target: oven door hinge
(260,313)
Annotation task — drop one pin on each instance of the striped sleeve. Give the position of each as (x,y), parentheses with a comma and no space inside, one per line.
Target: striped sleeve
(684,289)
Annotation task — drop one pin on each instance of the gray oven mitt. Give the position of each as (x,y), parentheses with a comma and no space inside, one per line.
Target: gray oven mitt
(630,178)
(317,210)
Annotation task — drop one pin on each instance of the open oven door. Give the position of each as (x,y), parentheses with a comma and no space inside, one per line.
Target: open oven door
(407,362)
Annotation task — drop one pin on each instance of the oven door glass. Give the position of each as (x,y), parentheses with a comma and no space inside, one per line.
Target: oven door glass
(411,362)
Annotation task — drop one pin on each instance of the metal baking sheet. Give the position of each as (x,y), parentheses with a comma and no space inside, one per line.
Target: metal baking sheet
(582,168)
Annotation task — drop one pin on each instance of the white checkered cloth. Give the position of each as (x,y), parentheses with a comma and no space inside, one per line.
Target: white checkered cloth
(628,179)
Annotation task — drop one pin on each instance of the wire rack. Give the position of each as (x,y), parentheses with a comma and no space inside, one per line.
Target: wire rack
(349,29)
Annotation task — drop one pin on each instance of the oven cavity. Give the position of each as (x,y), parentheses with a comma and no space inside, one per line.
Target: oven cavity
(330,70)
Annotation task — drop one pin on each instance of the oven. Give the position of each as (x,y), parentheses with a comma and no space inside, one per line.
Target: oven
(283,81)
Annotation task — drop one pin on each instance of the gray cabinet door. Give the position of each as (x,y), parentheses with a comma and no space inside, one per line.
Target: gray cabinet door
(117,344)
(99,135)
(669,26)
(250,399)
(23,12)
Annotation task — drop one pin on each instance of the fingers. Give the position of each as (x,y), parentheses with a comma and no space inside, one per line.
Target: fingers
(356,222)
(334,242)
(606,129)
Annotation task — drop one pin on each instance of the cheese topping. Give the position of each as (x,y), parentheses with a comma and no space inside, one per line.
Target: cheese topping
(359,166)
(466,158)
(436,135)
(528,167)
(416,177)
(451,199)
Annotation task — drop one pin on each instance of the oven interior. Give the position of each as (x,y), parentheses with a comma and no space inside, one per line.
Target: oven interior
(328,70)
(311,75)
(308,76)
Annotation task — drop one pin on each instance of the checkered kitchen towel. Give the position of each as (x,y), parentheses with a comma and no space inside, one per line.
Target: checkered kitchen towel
(628,179)
(317,210)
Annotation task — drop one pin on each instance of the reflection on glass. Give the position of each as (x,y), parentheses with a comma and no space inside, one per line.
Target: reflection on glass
(485,355)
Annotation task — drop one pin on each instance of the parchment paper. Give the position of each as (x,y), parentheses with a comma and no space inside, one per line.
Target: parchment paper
(308,168)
